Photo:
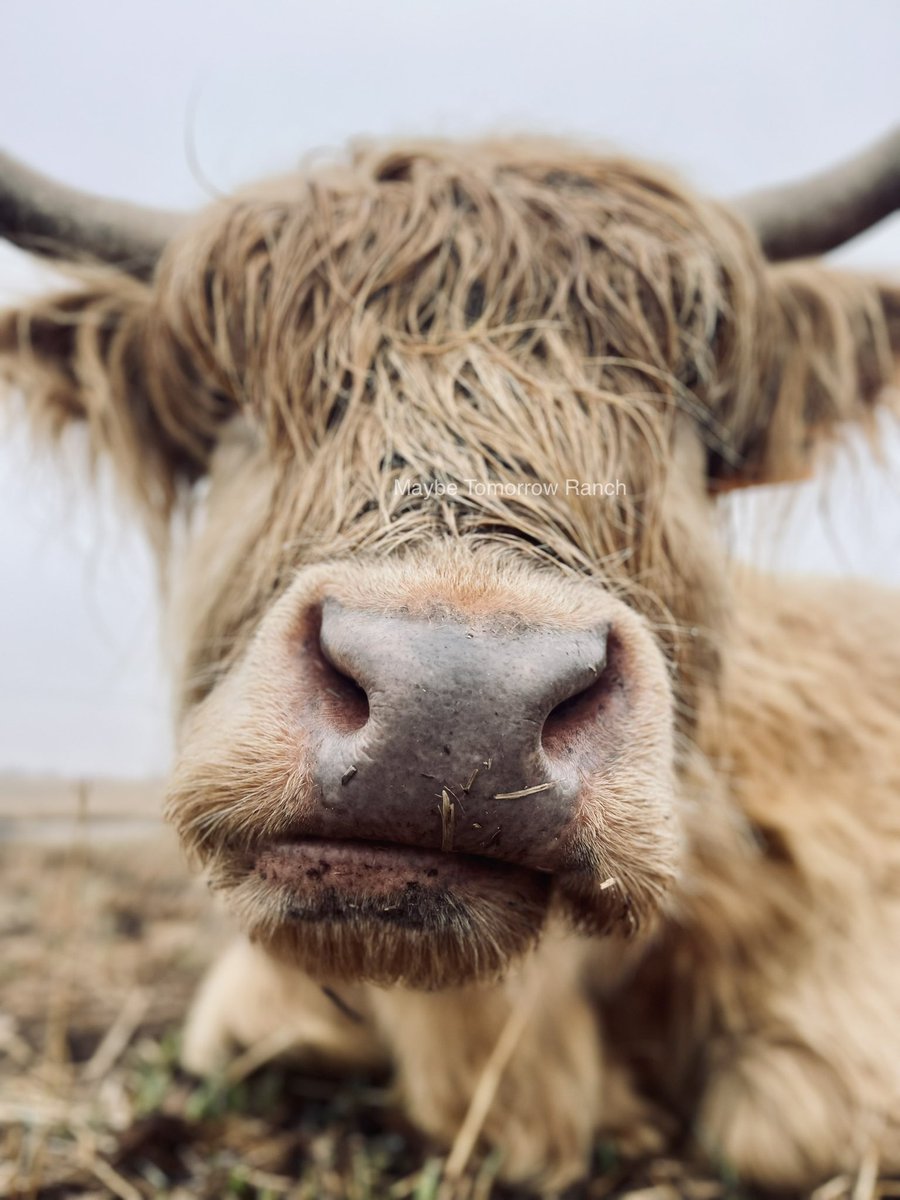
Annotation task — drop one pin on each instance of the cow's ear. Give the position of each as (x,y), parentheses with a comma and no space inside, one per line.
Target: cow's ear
(826,357)
(91,357)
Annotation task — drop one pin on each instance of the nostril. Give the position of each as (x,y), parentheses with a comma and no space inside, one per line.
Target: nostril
(342,698)
(347,703)
(582,716)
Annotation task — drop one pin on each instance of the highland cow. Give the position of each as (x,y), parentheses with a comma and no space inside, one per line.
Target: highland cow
(515,775)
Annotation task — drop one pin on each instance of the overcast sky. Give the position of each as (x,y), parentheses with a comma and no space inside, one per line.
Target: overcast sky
(171,102)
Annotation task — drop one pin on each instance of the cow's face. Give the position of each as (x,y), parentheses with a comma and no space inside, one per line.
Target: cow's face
(456,544)
(451,590)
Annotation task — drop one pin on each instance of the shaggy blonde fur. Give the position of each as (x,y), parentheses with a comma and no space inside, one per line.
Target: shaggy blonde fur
(508,312)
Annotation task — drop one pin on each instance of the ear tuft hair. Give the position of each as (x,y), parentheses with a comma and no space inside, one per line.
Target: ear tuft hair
(832,344)
(87,357)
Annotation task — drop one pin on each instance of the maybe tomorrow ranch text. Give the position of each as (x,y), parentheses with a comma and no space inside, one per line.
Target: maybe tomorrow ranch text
(430,489)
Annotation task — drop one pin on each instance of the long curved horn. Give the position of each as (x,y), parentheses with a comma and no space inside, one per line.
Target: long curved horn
(815,215)
(56,221)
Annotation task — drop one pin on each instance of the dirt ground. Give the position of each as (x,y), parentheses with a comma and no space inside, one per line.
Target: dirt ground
(104,937)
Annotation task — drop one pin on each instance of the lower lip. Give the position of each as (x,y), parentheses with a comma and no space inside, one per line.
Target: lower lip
(375,869)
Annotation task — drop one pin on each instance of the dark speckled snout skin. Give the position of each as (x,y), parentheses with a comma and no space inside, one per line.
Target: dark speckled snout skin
(346,880)
(452,733)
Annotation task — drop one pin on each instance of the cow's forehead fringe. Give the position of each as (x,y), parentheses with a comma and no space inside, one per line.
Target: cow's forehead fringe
(519,310)
(564,267)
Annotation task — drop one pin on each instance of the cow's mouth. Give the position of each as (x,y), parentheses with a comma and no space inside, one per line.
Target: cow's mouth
(388,913)
(343,880)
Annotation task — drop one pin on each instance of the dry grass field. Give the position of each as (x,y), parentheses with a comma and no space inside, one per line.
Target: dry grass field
(104,937)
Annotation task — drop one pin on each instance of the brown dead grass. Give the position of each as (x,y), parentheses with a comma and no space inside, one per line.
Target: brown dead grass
(104,939)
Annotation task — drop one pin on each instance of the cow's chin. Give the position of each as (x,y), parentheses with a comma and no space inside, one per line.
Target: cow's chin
(386,914)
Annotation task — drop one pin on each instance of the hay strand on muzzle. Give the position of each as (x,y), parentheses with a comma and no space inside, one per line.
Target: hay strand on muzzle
(529,791)
(448,821)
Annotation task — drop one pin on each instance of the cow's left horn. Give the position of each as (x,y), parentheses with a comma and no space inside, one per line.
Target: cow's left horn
(815,215)
(51,219)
